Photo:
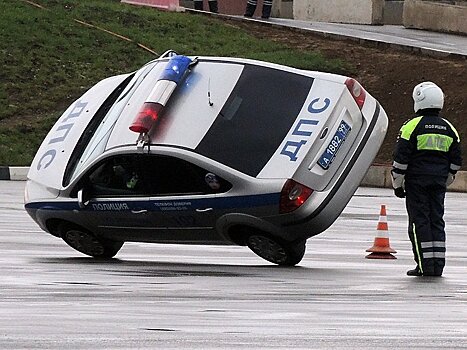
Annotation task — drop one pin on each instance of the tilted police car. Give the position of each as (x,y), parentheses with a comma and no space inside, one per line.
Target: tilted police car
(205,150)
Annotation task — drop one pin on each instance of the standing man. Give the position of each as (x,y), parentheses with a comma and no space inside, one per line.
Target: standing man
(426,158)
(212,5)
(251,7)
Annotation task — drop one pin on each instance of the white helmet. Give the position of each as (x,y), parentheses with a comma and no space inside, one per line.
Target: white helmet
(427,95)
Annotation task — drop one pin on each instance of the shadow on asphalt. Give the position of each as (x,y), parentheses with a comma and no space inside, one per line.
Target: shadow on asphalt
(177,269)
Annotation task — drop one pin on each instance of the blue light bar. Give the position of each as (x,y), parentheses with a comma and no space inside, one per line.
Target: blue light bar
(176,68)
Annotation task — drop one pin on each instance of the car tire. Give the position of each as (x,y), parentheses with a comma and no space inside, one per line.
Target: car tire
(275,250)
(87,243)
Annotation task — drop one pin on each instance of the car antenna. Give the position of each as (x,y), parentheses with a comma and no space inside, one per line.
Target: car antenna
(209,92)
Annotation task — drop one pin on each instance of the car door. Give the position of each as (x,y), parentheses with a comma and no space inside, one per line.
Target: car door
(187,196)
(117,199)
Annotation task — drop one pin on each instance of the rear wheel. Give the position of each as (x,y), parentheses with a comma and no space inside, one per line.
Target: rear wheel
(87,243)
(275,250)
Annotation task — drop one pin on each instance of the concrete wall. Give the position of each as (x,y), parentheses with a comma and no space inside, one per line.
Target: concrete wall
(436,16)
(392,13)
(282,8)
(340,11)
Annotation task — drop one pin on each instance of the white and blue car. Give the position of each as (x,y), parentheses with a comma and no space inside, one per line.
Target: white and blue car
(205,150)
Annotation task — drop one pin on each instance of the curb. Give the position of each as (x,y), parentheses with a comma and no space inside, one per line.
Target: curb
(376,176)
(380,176)
(16,173)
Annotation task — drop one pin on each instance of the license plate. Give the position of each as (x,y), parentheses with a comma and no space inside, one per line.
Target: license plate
(337,140)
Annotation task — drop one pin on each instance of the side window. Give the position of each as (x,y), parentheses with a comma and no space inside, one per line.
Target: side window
(117,176)
(172,176)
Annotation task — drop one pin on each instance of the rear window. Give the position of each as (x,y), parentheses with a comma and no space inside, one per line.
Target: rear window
(255,118)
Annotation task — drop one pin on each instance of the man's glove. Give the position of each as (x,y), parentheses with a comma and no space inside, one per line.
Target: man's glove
(398,180)
(450,179)
(399,192)
(398,184)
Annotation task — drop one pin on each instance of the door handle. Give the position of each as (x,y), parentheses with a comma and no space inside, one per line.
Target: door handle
(203,210)
(142,211)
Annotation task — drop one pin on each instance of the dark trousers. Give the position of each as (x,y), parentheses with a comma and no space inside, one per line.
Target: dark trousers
(425,207)
(212,5)
(251,8)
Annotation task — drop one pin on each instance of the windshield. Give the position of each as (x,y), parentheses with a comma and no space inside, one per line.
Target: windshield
(96,135)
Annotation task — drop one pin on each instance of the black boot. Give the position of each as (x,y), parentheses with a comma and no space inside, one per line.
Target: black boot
(415,272)
(198,5)
(213,6)
(266,11)
(439,266)
(250,10)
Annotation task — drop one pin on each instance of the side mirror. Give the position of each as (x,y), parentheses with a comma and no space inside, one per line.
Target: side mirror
(83,200)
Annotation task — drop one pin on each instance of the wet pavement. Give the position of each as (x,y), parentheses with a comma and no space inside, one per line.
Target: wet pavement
(220,297)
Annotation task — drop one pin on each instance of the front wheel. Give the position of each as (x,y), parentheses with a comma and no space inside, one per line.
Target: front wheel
(275,250)
(87,243)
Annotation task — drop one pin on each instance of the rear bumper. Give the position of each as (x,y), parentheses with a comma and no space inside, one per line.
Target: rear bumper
(333,201)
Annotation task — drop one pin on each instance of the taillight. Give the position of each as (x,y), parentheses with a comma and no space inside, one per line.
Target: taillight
(293,195)
(146,117)
(357,92)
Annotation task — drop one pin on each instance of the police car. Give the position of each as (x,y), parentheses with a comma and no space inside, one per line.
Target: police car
(205,150)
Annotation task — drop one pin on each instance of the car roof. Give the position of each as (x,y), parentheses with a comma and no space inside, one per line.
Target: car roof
(188,115)
(235,111)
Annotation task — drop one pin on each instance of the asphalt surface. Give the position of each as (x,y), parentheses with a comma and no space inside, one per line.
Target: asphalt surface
(220,297)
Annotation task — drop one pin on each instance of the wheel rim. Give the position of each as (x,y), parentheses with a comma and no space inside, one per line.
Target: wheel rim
(84,242)
(267,248)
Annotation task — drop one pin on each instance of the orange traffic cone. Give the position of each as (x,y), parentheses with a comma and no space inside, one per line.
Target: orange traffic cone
(381,248)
